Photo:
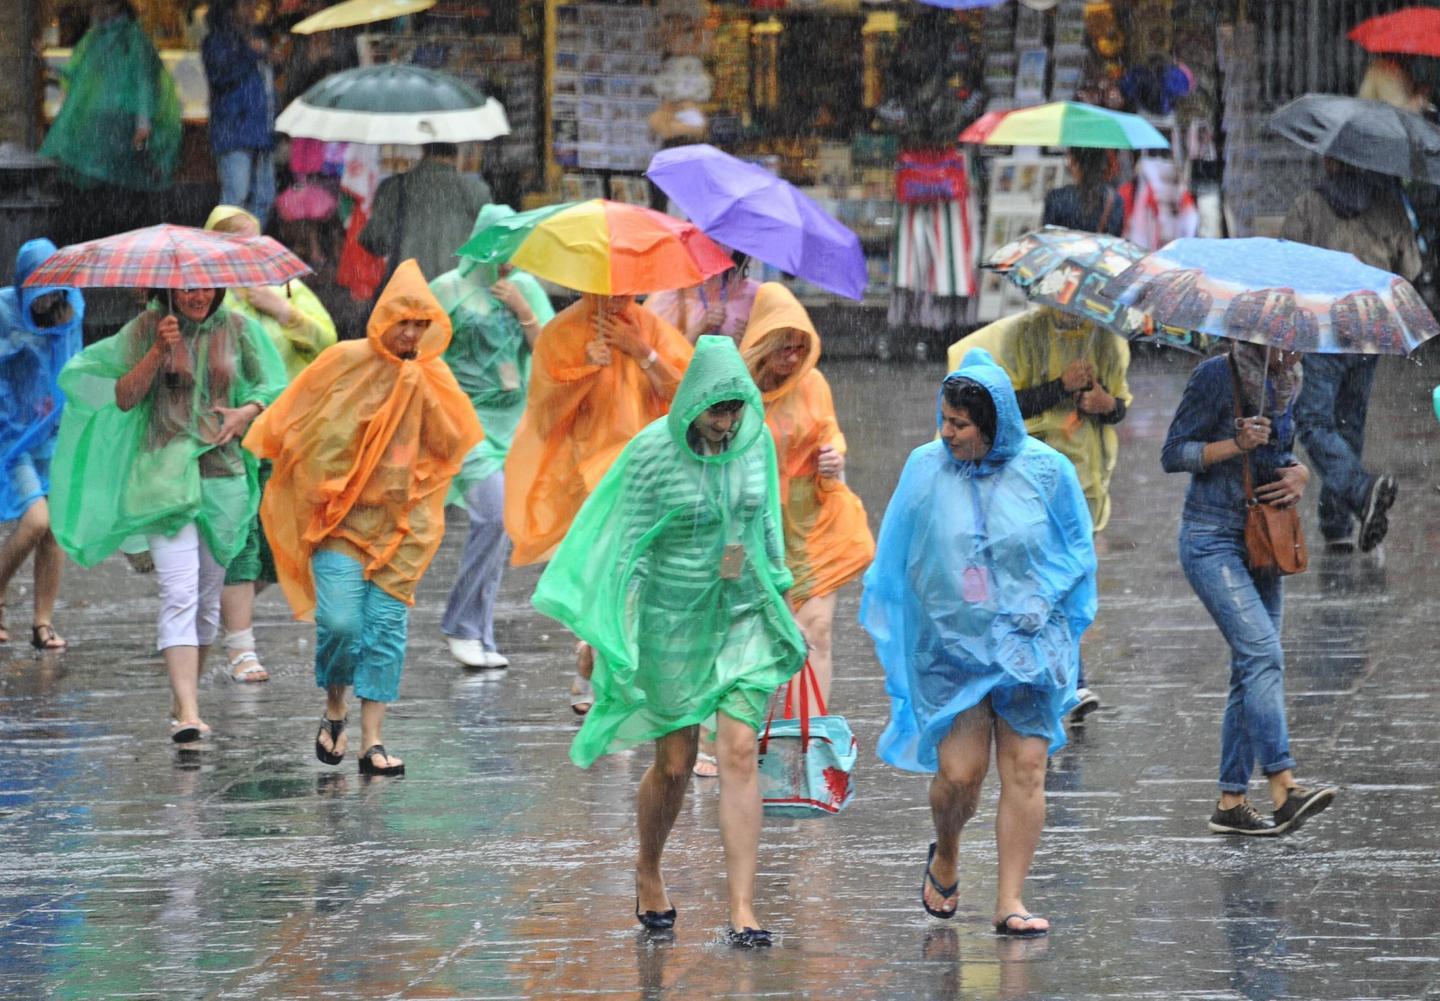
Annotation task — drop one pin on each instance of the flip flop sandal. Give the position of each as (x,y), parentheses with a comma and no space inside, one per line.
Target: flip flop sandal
(582,693)
(706,767)
(945,891)
(252,667)
(3,628)
(1002,927)
(44,637)
(185,733)
(369,767)
(335,727)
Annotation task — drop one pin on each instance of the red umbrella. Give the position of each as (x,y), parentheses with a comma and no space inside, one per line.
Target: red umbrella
(1413,31)
(168,256)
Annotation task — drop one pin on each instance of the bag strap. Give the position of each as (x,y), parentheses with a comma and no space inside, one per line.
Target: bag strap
(809,688)
(1239,414)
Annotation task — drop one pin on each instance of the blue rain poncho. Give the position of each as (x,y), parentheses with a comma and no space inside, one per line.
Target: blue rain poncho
(983,582)
(31,358)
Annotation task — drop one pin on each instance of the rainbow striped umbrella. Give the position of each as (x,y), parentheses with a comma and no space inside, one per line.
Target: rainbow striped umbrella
(600,246)
(1064,123)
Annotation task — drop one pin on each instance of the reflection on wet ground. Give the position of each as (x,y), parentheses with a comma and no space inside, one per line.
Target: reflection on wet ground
(497,870)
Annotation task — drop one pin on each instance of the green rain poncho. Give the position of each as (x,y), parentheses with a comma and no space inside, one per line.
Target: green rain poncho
(489,353)
(674,571)
(113,82)
(121,475)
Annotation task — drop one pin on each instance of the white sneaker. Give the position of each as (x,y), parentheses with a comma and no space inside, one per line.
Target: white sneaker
(495,660)
(1089,702)
(470,653)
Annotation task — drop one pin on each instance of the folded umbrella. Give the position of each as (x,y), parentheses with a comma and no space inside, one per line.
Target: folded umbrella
(1413,31)
(1371,135)
(394,103)
(356,12)
(600,246)
(1065,123)
(1277,293)
(746,207)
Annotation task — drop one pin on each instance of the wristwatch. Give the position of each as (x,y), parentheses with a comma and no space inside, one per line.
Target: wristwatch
(651,359)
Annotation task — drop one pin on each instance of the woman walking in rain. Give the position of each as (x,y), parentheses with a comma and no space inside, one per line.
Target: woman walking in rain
(719,305)
(299,328)
(40,330)
(1069,376)
(149,456)
(983,582)
(603,369)
(1209,442)
(674,572)
(364,443)
(496,322)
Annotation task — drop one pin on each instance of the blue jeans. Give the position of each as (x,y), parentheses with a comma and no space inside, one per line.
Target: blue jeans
(1330,415)
(470,612)
(1247,609)
(360,630)
(247,181)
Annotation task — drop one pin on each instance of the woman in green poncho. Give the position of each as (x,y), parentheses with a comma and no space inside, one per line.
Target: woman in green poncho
(149,454)
(495,321)
(674,571)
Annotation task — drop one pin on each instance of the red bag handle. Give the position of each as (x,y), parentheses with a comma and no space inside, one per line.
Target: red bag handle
(809,687)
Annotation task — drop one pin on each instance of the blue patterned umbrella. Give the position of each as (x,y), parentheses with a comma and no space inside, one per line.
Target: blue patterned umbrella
(1277,293)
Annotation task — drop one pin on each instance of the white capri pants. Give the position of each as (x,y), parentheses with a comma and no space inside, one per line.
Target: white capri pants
(190,583)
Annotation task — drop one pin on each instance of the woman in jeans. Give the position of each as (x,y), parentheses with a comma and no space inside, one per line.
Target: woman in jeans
(1207,441)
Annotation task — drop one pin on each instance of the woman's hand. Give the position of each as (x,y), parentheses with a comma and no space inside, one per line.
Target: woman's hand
(830,462)
(1078,375)
(234,421)
(713,318)
(596,353)
(621,336)
(1095,401)
(270,302)
(510,296)
(1288,489)
(167,333)
(1253,432)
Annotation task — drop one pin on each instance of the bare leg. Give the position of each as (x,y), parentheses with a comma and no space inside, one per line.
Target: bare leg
(183,663)
(372,717)
(955,792)
(32,529)
(662,792)
(1021,815)
(335,708)
(49,559)
(815,619)
(740,812)
(237,615)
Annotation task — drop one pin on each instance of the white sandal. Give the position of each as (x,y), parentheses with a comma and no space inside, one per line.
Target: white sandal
(246,674)
(705,767)
(582,693)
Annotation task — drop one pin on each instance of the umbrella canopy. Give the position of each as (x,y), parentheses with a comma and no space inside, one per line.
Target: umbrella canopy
(1068,270)
(1371,135)
(600,246)
(356,12)
(1065,123)
(1277,293)
(747,207)
(168,256)
(393,103)
(1413,31)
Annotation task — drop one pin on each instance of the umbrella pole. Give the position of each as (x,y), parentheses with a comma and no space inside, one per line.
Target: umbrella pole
(1264,383)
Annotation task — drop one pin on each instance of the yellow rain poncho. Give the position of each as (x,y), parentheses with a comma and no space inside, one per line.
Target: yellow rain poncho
(310,329)
(827,537)
(578,417)
(1033,349)
(364,444)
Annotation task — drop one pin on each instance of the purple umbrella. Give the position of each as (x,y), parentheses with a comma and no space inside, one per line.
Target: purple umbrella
(757,213)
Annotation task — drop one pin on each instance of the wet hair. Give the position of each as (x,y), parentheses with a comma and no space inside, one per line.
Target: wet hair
(441,149)
(968,395)
(51,310)
(726,407)
(1093,166)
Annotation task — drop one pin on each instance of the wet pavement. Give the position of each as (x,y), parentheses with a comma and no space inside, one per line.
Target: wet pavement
(495,869)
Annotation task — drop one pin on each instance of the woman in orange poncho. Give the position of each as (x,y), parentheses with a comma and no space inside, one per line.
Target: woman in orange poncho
(827,537)
(364,443)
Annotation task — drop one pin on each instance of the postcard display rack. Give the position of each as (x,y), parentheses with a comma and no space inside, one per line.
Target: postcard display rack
(602,96)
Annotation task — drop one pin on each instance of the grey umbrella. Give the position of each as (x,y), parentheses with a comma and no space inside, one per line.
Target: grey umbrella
(1371,135)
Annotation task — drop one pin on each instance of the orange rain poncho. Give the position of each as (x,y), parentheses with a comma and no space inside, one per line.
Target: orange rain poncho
(364,446)
(827,536)
(578,417)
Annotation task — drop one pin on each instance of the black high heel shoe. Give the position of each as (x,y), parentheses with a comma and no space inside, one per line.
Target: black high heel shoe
(655,920)
(336,727)
(749,938)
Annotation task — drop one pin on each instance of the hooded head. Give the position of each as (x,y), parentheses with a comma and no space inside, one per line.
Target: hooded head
(716,374)
(34,253)
(232,219)
(773,318)
(477,271)
(407,297)
(980,368)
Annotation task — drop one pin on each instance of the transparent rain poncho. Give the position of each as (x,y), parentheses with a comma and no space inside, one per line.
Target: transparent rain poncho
(151,470)
(674,572)
(488,352)
(983,582)
(31,358)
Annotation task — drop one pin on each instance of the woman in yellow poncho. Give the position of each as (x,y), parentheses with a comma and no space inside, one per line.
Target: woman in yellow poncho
(299,328)
(364,444)
(827,538)
(1069,377)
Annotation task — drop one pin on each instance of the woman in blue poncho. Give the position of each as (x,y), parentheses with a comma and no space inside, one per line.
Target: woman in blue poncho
(983,582)
(40,329)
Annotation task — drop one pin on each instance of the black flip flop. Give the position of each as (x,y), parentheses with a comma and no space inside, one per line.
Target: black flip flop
(335,727)
(945,891)
(186,733)
(368,766)
(1002,927)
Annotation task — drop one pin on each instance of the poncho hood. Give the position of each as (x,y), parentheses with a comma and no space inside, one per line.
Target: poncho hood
(34,253)
(479,271)
(776,312)
(222,212)
(716,373)
(1010,433)
(408,297)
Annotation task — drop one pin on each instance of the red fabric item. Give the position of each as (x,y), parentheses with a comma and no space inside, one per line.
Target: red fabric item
(359,270)
(1414,31)
(931,176)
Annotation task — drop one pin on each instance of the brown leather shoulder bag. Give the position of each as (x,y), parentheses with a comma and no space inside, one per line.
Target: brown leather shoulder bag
(1274,540)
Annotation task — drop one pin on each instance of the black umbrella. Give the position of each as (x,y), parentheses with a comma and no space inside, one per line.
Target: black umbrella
(1371,135)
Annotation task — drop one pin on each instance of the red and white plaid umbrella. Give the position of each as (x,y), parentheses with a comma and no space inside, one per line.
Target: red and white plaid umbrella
(168,256)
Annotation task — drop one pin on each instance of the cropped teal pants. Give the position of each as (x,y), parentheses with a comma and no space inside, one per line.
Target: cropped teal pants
(360,630)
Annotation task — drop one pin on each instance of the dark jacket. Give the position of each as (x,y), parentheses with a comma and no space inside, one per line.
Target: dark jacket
(1065,207)
(242,108)
(433,218)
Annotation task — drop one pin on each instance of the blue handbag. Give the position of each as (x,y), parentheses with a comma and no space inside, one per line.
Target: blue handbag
(806,760)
